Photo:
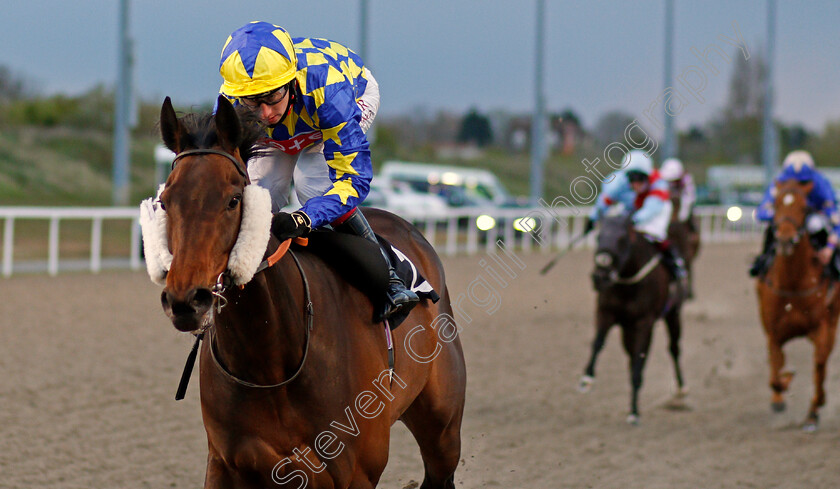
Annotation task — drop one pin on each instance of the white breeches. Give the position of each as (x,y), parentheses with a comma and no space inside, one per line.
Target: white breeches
(657,227)
(309,171)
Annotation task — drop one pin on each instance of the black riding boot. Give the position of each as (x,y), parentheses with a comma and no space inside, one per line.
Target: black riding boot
(676,265)
(398,295)
(762,261)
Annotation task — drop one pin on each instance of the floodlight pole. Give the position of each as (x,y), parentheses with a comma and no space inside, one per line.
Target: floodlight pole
(538,148)
(768,148)
(363,30)
(363,53)
(122,113)
(669,146)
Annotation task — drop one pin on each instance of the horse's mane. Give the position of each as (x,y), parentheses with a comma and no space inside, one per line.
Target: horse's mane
(202,134)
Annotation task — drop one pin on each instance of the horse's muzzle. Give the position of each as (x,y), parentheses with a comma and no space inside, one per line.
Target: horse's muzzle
(601,278)
(188,313)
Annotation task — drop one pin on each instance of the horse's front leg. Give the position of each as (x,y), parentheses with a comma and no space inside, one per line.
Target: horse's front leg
(823,340)
(217,476)
(603,322)
(674,323)
(779,380)
(637,337)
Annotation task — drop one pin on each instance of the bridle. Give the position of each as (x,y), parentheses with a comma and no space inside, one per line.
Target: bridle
(799,226)
(219,301)
(613,266)
(236,163)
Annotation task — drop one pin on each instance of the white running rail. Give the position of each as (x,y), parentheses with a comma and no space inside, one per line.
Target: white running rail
(10,215)
(453,232)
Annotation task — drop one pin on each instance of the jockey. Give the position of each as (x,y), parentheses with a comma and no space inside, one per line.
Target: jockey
(615,189)
(317,100)
(681,182)
(825,221)
(639,188)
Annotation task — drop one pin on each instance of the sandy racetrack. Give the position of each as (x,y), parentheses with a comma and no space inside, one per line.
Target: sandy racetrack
(90,364)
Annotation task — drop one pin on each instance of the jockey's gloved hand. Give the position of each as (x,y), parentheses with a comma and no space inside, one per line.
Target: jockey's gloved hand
(286,225)
(589,225)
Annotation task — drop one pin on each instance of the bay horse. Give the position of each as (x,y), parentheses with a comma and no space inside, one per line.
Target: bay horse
(633,288)
(685,235)
(295,385)
(796,298)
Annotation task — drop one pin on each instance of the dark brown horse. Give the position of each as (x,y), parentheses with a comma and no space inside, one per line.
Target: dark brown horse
(633,292)
(796,298)
(294,375)
(685,235)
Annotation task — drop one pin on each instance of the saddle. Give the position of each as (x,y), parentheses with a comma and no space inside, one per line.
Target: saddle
(360,263)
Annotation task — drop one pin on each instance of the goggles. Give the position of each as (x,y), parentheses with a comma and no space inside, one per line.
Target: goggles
(636,176)
(273,97)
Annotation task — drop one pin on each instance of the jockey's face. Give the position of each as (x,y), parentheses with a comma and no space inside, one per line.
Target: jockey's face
(639,186)
(638,181)
(271,106)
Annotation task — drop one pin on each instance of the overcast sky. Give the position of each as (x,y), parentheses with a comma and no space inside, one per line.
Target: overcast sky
(452,54)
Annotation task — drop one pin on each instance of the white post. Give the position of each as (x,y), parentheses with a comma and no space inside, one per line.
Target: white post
(472,235)
(96,244)
(452,235)
(8,243)
(52,264)
(431,225)
(135,244)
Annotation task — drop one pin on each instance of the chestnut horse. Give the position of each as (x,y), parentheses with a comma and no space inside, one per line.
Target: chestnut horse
(295,384)
(633,292)
(796,298)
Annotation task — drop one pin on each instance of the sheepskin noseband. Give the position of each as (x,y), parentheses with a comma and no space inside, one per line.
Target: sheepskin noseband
(247,252)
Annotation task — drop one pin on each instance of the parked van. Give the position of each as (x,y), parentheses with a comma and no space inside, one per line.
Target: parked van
(460,187)
(401,199)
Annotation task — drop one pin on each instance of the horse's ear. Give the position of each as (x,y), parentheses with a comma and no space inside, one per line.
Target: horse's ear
(227,124)
(170,127)
(807,187)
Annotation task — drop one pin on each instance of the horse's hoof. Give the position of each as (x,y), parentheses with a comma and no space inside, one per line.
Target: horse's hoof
(633,419)
(682,392)
(585,383)
(811,423)
(677,403)
(778,407)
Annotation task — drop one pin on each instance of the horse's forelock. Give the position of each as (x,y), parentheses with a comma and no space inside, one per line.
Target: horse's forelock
(202,134)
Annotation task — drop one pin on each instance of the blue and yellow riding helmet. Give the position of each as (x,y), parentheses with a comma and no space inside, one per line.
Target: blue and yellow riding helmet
(257,58)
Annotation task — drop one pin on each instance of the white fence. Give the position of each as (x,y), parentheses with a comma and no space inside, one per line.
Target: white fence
(54,215)
(451,233)
(457,233)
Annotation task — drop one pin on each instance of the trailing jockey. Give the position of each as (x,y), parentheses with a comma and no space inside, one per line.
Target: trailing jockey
(823,224)
(639,188)
(681,183)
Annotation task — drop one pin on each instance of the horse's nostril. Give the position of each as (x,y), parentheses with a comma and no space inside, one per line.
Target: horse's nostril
(201,299)
(196,301)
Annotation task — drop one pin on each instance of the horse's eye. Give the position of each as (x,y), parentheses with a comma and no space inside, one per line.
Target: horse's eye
(160,203)
(234,202)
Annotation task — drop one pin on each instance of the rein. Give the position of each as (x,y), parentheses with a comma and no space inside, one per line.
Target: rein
(800,232)
(792,293)
(638,276)
(309,322)
(218,289)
